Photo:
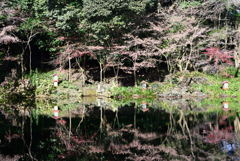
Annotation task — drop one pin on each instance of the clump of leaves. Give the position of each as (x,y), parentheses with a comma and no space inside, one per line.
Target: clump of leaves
(176,27)
(42,81)
(188,4)
(218,55)
(131,92)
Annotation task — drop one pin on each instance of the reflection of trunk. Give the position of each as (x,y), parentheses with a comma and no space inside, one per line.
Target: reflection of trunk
(116,120)
(30,133)
(184,125)
(70,127)
(135,116)
(83,115)
(237,128)
(172,123)
(28,146)
(101,119)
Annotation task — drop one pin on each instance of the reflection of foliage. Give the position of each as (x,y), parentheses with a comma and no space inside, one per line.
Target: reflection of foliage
(138,144)
(159,133)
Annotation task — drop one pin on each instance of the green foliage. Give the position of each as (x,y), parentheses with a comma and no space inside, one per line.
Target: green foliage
(43,83)
(3,18)
(162,87)
(67,18)
(234,14)
(176,27)
(188,4)
(34,25)
(48,42)
(106,9)
(23,4)
(1,56)
(213,90)
(132,92)
(106,18)
(67,84)
(164,44)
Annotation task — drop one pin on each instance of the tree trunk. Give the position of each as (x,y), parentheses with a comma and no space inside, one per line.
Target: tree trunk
(101,72)
(30,59)
(69,68)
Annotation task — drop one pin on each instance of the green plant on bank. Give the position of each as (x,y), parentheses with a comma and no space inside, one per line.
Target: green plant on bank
(213,90)
(132,92)
(67,84)
(162,87)
(43,82)
(188,4)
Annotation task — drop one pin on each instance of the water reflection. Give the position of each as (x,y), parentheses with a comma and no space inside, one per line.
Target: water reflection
(137,131)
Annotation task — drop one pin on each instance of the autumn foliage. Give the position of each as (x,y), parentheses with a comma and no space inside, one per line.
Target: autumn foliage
(218,56)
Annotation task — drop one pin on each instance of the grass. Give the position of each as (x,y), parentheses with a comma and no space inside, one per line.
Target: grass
(131,92)
(213,88)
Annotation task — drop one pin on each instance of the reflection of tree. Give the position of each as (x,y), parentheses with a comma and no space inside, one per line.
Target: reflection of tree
(214,132)
(134,141)
(221,133)
(130,134)
(16,133)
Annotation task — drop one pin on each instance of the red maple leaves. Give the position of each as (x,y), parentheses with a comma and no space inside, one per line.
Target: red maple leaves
(218,55)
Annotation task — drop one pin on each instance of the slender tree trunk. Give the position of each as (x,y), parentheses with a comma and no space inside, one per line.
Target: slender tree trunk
(116,71)
(22,62)
(69,68)
(30,59)
(189,58)
(134,73)
(101,72)
(135,116)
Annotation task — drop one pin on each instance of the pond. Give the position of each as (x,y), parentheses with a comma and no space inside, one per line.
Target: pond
(89,130)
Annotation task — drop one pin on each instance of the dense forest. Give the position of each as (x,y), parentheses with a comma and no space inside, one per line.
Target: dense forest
(137,40)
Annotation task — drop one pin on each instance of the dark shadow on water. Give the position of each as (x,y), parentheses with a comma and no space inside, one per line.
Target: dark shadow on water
(129,133)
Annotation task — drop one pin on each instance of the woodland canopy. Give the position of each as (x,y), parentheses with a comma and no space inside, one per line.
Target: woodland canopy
(118,36)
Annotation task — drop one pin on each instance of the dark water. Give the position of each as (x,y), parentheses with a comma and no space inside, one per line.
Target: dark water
(132,132)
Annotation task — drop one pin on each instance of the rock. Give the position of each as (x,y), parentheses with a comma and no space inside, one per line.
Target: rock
(155,86)
(182,92)
(175,93)
(194,80)
(199,94)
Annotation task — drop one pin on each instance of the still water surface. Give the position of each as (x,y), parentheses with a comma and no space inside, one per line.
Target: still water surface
(137,131)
